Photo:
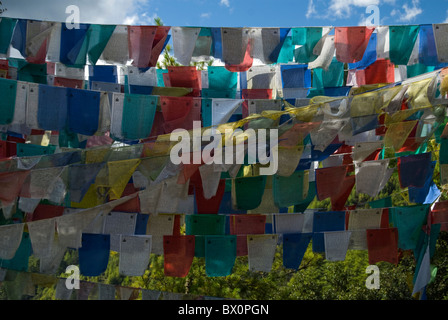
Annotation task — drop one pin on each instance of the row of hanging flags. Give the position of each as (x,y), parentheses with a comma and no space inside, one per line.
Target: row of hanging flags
(85,152)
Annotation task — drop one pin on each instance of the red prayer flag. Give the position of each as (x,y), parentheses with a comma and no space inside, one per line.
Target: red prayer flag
(178,254)
(382,245)
(351,42)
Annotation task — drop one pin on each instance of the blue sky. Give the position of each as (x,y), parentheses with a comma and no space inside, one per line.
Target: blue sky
(235,13)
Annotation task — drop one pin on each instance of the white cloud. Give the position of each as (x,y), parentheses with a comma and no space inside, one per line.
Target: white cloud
(99,11)
(311,9)
(225,3)
(410,12)
(342,8)
(446,20)
(206,15)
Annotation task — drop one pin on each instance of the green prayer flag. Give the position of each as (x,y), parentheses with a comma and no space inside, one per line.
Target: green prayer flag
(381,203)
(249,192)
(201,225)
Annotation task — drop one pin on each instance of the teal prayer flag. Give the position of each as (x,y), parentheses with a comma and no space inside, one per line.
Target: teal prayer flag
(290,191)
(220,255)
(402,40)
(7,26)
(28,149)
(221,78)
(138,116)
(307,38)
(8,88)
(333,77)
(20,260)
(408,221)
(98,36)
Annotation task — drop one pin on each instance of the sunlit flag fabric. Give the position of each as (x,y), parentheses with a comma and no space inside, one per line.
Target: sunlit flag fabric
(306,39)
(94,254)
(333,77)
(184,42)
(370,53)
(72,40)
(440,31)
(427,46)
(351,43)
(401,41)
